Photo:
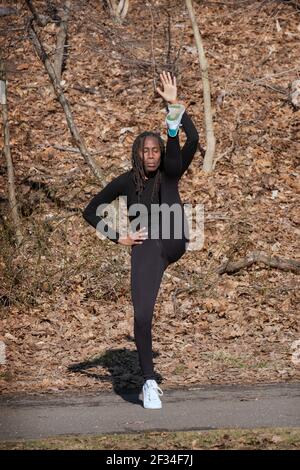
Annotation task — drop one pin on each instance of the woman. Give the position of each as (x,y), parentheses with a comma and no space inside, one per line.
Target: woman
(152,181)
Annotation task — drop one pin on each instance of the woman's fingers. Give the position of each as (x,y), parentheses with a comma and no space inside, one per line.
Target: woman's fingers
(143,233)
(139,236)
(167,79)
(162,78)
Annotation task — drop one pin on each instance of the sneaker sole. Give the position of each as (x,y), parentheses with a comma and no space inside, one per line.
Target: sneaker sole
(152,407)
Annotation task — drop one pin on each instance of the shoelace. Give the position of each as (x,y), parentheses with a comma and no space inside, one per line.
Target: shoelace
(153,387)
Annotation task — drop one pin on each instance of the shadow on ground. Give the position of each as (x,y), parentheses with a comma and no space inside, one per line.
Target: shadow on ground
(123,369)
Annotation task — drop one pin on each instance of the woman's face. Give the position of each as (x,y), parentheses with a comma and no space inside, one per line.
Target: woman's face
(151,157)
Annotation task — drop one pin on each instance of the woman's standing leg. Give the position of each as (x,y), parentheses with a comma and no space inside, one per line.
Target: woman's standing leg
(147,267)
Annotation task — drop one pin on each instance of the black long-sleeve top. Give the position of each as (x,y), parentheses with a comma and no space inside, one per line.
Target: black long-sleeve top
(123,185)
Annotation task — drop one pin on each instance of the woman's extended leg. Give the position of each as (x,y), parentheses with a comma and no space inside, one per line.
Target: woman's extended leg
(175,244)
(147,267)
(173,146)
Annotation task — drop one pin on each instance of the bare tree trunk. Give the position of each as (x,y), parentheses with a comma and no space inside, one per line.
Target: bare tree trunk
(61,40)
(211,141)
(123,8)
(10,168)
(65,104)
(118,10)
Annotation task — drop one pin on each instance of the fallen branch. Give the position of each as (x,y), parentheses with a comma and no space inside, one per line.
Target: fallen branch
(284,264)
(85,89)
(107,148)
(66,177)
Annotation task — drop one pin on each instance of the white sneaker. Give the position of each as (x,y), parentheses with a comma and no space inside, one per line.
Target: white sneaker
(173,118)
(151,392)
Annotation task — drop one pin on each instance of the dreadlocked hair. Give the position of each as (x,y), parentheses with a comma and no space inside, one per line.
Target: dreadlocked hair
(138,167)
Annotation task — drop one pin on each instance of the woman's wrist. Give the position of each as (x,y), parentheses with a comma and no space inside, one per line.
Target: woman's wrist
(177,102)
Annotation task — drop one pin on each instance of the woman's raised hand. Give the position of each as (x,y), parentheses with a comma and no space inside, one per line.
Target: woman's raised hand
(134,238)
(170,87)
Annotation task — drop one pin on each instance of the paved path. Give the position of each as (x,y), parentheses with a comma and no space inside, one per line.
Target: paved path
(197,408)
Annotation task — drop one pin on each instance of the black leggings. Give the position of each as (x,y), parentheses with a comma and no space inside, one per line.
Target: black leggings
(148,263)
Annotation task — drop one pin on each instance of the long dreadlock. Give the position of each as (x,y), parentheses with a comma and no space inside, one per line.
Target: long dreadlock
(138,167)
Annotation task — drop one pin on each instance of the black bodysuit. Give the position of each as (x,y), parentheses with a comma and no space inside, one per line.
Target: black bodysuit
(150,258)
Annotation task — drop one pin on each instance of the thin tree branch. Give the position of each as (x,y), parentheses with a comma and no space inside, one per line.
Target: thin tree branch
(10,168)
